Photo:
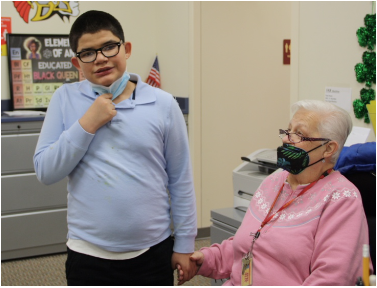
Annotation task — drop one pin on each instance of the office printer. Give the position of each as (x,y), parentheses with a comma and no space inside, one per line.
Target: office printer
(249,175)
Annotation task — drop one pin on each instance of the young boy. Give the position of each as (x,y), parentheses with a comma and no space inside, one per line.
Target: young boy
(122,144)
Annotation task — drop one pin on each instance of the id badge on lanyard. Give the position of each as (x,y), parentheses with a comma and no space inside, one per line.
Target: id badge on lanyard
(247,270)
(247,263)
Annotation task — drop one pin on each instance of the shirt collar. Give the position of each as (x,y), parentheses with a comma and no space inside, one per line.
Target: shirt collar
(144,92)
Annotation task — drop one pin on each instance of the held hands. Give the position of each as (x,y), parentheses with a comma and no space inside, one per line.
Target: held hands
(185,274)
(99,113)
(186,268)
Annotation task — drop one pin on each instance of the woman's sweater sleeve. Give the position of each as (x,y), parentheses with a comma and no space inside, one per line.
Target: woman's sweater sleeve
(338,244)
(218,260)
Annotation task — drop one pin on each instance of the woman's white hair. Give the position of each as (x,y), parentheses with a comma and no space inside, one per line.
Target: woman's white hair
(335,123)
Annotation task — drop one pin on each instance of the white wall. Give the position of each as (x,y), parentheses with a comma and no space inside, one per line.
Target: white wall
(146,25)
(325,49)
(172,42)
(244,90)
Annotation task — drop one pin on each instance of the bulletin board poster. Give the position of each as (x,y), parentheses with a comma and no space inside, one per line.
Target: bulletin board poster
(38,65)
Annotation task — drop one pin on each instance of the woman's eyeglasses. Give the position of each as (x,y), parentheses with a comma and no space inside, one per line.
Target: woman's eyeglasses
(295,138)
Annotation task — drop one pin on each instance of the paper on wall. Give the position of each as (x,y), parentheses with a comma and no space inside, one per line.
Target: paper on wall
(339,96)
(357,135)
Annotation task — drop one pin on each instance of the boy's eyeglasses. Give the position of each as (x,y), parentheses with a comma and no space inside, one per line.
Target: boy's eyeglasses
(294,138)
(108,51)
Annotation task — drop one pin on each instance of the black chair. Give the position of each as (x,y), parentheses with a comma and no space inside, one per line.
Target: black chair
(366,183)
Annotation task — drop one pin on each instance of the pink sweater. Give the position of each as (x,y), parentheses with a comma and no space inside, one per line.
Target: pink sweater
(317,240)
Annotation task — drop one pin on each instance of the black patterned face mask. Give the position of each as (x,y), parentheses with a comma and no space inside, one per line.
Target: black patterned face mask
(294,159)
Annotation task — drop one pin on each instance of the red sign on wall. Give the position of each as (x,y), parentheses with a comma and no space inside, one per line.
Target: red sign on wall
(287,51)
(5,29)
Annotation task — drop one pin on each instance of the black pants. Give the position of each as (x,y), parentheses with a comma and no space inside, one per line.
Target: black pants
(152,268)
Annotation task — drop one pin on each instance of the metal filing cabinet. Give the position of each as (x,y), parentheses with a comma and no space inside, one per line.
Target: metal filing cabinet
(33,215)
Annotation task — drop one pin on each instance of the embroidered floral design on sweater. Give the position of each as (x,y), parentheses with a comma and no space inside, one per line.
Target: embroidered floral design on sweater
(333,194)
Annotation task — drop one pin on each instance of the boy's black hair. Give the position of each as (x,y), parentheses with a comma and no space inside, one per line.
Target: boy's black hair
(92,22)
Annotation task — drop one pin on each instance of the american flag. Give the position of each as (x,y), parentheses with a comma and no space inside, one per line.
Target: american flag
(154,76)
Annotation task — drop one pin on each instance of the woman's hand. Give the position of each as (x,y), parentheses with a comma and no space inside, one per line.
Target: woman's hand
(196,258)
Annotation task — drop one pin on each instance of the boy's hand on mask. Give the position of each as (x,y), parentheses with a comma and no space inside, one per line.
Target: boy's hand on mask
(99,113)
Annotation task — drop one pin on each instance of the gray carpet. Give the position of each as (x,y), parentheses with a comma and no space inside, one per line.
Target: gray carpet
(50,271)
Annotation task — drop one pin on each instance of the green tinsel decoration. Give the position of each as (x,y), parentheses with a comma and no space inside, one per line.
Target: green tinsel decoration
(361,72)
(366,118)
(360,109)
(367,95)
(366,71)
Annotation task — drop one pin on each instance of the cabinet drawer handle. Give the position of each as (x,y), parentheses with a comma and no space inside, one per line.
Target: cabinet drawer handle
(242,192)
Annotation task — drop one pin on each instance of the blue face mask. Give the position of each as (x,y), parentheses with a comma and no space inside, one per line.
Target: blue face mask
(116,88)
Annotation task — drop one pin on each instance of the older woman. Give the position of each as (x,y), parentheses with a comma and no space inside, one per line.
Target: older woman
(305,224)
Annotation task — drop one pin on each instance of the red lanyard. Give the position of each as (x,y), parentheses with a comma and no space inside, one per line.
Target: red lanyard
(269,217)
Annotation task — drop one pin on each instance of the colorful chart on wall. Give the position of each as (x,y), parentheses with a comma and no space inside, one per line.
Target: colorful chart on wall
(38,65)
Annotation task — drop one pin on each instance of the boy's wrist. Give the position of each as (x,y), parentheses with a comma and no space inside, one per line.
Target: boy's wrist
(87,126)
